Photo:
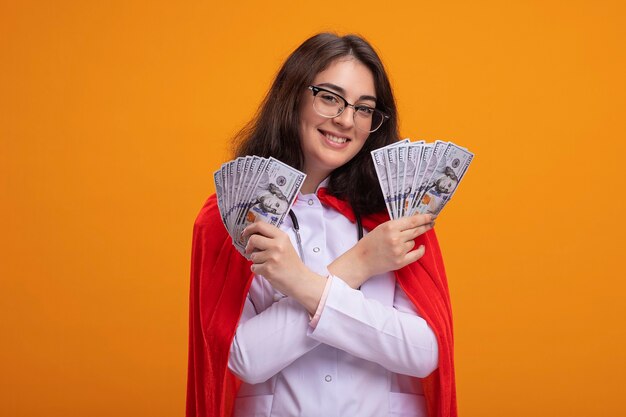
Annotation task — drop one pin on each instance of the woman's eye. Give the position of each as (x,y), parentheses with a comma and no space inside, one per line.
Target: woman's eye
(329,98)
(365,111)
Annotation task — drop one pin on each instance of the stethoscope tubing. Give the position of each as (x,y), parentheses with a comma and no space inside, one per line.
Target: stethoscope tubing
(296,229)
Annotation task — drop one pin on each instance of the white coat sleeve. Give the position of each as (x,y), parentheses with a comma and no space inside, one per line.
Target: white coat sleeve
(394,337)
(267,342)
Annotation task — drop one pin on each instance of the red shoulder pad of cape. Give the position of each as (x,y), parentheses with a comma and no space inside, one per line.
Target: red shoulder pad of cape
(221,277)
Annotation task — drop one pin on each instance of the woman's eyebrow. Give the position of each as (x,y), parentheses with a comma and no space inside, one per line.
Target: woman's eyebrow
(343,92)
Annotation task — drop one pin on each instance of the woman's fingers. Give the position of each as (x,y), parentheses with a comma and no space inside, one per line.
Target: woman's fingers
(411,222)
(259,236)
(414,255)
(261,228)
(258,257)
(257,242)
(415,226)
(409,245)
(266,244)
(410,234)
(407,230)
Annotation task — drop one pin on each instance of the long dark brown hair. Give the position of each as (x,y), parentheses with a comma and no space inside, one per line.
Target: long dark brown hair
(274,131)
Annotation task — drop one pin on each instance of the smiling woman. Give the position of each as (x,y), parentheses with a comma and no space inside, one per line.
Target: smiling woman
(355,324)
(329,143)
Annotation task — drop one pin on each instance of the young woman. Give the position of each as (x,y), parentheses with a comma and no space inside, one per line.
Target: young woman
(344,326)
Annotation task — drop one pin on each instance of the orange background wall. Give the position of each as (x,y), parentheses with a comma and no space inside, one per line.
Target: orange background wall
(113,115)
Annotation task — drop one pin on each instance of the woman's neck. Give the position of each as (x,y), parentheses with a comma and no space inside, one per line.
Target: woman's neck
(311,183)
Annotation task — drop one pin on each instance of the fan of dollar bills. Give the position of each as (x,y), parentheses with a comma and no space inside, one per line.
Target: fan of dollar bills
(252,187)
(419,177)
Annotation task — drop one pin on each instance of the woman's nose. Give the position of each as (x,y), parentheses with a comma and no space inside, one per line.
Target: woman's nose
(346,118)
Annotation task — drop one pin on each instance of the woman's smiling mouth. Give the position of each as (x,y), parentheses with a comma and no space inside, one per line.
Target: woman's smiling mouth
(335,139)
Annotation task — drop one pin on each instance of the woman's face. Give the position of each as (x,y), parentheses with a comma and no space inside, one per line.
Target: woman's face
(327,143)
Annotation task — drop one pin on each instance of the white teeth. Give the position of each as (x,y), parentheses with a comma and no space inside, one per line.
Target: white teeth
(335,138)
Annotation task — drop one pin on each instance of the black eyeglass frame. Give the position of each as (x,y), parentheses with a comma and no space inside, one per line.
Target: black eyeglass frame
(316,90)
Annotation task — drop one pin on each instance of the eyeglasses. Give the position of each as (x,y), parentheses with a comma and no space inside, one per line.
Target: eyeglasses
(330,105)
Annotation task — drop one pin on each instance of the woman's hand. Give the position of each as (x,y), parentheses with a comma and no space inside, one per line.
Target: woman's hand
(386,248)
(274,257)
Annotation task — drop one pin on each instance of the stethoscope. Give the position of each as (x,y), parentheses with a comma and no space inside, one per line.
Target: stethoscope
(296,229)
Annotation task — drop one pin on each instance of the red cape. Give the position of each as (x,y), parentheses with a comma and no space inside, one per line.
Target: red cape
(215,308)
